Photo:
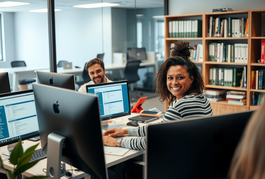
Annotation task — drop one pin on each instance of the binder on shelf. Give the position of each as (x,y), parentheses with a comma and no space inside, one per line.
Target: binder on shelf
(237,74)
(245,77)
(252,83)
(262,55)
(228,77)
(229,27)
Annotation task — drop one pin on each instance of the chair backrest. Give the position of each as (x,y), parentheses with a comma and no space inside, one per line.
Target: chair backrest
(86,77)
(18,64)
(100,56)
(60,63)
(131,71)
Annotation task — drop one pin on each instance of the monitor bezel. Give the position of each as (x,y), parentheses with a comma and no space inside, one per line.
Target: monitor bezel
(4,79)
(110,83)
(136,48)
(25,137)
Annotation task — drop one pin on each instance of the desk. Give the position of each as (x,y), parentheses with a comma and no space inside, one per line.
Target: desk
(29,72)
(110,160)
(21,73)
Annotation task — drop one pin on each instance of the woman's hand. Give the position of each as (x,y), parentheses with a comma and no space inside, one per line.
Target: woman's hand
(110,141)
(115,132)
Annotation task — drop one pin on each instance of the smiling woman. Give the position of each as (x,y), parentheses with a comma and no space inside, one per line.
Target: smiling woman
(178,81)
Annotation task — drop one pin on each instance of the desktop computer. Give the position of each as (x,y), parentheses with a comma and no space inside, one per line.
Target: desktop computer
(4,81)
(70,123)
(113,98)
(18,118)
(56,79)
(194,148)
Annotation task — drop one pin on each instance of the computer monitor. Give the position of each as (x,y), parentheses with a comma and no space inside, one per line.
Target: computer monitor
(136,54)
(56,79)
(4,81)
(113,98)
(100,56)
(196,148)
(76,117)
(18,117)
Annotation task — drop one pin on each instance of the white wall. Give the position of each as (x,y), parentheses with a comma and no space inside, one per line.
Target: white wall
(177,7)
(79,36)
(9,48)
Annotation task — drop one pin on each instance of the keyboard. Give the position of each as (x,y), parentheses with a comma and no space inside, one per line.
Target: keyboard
(38,154)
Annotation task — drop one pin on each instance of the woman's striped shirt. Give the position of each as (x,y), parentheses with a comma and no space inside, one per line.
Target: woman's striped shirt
(189,106)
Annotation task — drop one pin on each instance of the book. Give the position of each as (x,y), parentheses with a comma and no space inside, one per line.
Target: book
(236,102)
(262,56)
(237,73)
(235,96)
(233,99)
(214,92)
(257,80)
(236,92)
(252,82)
(246,28)
(210,26)
(260,78)
(245,77)
(229,27)
(226,9)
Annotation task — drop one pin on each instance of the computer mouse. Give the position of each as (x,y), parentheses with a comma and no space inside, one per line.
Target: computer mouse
(132,123)
(77,67)
(69,174)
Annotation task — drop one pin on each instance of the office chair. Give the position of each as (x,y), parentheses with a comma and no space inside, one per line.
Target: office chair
(60,63)
(86,77)
(131,72)
(100,56)
(22,84)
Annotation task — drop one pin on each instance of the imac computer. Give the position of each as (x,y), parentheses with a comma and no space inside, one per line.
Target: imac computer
(4,81)
(66,81)
(194,148)
(113,98)
(136,54)
(18,117)
(70,130)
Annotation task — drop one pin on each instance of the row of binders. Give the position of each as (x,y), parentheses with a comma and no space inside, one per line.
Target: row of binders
(185,28)
(257,98)
(228,27)
(234,53)
(232,97)
(232,77)
(257,79)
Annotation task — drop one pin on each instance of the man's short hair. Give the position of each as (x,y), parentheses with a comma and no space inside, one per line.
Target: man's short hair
(95,61)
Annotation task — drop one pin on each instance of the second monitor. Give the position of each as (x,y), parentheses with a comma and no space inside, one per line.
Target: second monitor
(66,81)
(137,54)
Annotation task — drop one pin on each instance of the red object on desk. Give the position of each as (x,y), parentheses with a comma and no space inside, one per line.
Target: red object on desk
(138,105)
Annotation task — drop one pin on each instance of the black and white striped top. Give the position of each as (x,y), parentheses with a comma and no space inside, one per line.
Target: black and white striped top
(189,106)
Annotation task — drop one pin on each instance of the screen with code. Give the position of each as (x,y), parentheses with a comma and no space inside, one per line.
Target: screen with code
(18,117)
(113,98)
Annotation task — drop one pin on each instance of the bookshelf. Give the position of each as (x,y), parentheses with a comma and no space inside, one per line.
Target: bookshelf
(254,50)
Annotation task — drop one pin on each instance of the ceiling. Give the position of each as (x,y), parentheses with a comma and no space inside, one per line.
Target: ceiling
(68,4)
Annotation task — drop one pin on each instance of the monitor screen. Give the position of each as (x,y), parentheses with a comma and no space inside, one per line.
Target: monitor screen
(194,148)
(113,97)
(76,117)
(66,81)
(18,117)
(4,81)
(136,54)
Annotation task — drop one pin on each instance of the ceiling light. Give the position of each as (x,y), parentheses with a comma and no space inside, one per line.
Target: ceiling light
(157,17)
(139,15)
(44,10)
(10,3)
(104,4)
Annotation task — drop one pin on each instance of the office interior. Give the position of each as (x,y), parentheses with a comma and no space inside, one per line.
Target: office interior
(82,33)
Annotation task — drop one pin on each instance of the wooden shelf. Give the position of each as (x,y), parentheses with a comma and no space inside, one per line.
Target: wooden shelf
(224,63)
(197,62)
(254,50)
(255,90)
(174,39)
(258,38)
(226,38)
(257,64)
(226,87)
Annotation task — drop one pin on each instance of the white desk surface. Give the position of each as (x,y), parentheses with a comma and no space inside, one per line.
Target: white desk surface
(110,160)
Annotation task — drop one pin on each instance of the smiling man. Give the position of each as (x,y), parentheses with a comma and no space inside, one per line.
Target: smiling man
(96,71)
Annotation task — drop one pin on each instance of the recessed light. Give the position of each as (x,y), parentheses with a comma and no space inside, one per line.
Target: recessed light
(44,10)
(157,17)
(11,3)
(95,5)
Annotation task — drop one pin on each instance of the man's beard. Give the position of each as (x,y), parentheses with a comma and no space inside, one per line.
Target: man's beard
(101,79)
